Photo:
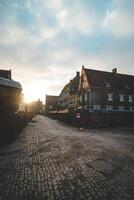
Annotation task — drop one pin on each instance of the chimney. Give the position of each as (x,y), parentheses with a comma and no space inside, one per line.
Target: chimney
(10,74)
(82,66)
(114,71)
(77,74)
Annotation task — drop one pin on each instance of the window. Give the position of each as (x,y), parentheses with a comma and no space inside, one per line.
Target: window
(85,96)
(85,106)
(110,97)
(80,98)
(127,86)
(96,107)
(50,107)
(107,84)
(121,108)
(130,98)
(121,97)
(131,108)
(108,107)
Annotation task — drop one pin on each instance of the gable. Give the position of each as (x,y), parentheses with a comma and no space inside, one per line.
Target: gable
(85,82)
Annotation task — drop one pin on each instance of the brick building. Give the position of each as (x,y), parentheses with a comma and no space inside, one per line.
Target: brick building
(69,96)
(51,103)
(102,91)
(102,99)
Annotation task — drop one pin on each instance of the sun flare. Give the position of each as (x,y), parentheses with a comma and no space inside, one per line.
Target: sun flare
(33,92)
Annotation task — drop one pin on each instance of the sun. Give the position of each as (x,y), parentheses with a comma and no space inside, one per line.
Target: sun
(33,92)
(29,96)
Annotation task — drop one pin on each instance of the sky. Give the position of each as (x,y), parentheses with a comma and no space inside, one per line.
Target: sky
(45,42)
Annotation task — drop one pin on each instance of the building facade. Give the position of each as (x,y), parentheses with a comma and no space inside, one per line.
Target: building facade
(69,96)
(10,92)
(102,91)
(51,104)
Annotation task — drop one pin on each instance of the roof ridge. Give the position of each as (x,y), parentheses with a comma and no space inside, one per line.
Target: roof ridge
(107,72)
(97,70)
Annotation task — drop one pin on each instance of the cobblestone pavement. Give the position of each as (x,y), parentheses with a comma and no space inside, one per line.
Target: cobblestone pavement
(52,161)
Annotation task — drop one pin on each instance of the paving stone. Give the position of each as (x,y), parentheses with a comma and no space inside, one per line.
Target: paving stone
(51,161)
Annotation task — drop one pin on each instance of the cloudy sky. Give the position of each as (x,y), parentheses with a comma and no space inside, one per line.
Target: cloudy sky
(44,42)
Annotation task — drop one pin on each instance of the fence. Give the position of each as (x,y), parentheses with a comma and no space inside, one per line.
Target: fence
(96,119)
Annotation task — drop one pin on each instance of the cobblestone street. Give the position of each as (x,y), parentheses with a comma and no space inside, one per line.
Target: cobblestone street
(50,160)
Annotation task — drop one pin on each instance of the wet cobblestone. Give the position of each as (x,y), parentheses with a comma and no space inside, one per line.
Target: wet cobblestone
(51,161)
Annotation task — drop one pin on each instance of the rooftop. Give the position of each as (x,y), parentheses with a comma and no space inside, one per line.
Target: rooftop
(10,83)
(115,80)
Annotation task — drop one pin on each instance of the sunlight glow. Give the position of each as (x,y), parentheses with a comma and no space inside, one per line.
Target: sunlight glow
(33,92)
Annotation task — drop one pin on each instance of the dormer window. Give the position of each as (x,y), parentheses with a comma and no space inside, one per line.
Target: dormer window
(107,84)
(121,97)
(110,97)
(127,86)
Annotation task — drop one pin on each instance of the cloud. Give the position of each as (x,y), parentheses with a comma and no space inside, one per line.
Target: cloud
(46,42)
(75,20)
(119,19)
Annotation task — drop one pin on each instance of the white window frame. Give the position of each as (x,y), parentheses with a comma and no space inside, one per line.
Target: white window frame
(110,97)
(121,108)
(109,107)
(85,106)
(122,97)
(85,96)
(50,107)
(96,107)
(108,84)
(81,98)
(130,98)
(131,108)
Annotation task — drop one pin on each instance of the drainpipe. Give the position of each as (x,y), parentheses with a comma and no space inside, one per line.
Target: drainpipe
(90,99)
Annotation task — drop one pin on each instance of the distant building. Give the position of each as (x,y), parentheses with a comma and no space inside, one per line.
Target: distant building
(102,99)
(10,92)
(51,103)
(69,96)
(102,91)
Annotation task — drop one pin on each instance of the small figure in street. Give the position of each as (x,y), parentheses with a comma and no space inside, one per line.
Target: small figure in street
(78,120)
